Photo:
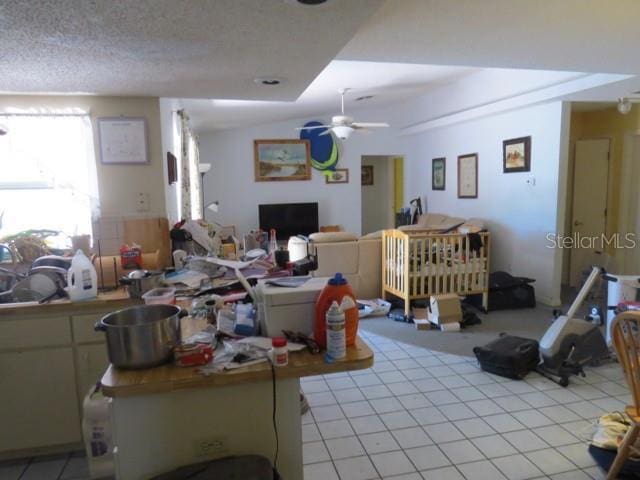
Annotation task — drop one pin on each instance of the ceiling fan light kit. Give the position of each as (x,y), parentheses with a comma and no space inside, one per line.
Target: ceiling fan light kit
(624,105)
(342,126)
(342,131)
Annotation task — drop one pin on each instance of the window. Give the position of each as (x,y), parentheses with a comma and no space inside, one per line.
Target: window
(47,173)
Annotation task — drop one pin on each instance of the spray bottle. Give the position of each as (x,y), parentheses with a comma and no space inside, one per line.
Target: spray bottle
(336,333)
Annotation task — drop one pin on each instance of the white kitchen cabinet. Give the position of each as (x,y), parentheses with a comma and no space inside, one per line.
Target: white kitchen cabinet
(39,403)
(50,355)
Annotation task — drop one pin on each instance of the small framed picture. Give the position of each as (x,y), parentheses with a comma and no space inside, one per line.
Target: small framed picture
(367,175)
(438,173)
(516,155)
(339,175)
(468,176)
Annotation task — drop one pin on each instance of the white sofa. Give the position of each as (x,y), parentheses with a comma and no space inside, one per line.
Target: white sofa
(359,259)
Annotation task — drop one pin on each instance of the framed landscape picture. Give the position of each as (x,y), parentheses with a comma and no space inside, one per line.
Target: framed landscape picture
(438,173)
(516,155)
(339,175)
(277,160)
(367,175)
(468,176)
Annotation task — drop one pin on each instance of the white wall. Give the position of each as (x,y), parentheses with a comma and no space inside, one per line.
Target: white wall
(519,216)
(231,179)
(170,134)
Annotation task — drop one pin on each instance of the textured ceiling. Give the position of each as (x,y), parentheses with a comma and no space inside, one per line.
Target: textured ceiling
(387,82)
(189,48)
(570,35)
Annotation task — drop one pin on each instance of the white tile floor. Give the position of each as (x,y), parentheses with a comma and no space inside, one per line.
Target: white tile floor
(420,414)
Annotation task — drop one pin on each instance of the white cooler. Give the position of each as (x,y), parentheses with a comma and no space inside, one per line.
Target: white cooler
(624,288)
(288,308)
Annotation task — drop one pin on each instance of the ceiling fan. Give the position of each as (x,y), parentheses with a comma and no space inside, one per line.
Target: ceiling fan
(342,125)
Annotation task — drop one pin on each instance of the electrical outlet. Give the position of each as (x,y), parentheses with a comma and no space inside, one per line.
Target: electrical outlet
(142,202)
(211,447)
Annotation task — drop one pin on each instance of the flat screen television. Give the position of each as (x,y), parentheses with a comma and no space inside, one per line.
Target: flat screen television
(289,219)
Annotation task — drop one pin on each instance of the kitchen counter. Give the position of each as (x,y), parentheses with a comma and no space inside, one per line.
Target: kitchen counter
(114,299)
(166,417)
(168,378)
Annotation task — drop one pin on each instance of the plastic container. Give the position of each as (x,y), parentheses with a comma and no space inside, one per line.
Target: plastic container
(165,296)
(82,279)
(279,351)
(621,288)
(336,335)
(336,289)
(96,431)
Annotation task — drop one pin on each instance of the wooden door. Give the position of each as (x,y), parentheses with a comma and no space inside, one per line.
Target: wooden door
(590,179)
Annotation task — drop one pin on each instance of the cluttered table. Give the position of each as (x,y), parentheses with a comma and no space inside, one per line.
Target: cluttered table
(169,378)
(166,417)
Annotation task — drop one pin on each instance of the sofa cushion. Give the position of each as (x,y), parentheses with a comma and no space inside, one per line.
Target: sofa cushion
(372,235)
(430,219)
(336,257)
(473,225)
(332,237)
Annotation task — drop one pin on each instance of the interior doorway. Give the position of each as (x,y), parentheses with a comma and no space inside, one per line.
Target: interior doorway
(589,206)
(382,191)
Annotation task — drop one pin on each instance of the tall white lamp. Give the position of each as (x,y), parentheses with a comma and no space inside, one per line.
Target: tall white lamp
(202,169)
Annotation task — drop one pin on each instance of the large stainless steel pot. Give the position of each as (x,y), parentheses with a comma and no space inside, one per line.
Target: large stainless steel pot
(142,336)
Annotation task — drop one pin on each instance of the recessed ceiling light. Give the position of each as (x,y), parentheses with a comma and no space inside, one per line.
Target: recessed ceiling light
(364,97)
(269,81)
(305,3)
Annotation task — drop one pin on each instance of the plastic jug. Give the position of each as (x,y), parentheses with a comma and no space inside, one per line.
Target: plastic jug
(335,290)
(82,279)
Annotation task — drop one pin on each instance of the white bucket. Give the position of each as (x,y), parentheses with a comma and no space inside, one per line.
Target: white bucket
(625,288)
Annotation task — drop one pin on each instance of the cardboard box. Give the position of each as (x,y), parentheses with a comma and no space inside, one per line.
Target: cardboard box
(445,309)
(420,313)
(450,327)
(422,324)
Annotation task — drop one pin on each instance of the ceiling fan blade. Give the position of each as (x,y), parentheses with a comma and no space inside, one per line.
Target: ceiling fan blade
(369,124)
(313,127)
(326,132)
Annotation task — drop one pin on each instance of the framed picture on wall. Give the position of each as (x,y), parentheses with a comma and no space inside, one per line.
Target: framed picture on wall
(339,175)
(277,160)
(468,176)
(367,175)
(516,155)
(123,140)
(438,173)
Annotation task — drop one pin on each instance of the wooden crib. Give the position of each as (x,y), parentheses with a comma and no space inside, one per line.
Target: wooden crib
(418,264)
